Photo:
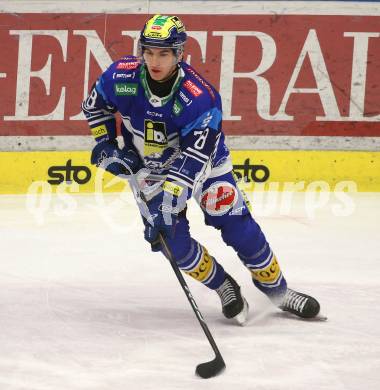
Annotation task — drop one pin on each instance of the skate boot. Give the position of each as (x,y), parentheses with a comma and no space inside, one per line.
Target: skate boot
(299,304)
(234,305)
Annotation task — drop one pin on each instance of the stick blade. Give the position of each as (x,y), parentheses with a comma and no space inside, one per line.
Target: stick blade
(210,369)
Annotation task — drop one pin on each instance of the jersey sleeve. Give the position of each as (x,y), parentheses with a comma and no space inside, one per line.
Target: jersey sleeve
(199,139)
(99,112)
(100,106)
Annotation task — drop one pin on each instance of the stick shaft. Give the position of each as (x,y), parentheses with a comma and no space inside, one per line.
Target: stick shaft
(141,202)
(189,296)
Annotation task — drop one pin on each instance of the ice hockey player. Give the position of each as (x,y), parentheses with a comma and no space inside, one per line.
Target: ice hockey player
(172,125)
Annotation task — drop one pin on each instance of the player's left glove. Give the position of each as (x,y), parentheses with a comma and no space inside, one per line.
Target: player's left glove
(106,154)
(164,209)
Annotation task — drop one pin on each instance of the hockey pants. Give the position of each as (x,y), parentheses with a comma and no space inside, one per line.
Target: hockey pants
(225,209)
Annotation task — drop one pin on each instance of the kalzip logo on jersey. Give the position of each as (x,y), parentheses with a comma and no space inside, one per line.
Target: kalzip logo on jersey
(125,89)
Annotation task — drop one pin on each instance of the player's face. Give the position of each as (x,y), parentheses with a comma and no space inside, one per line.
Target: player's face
(160,62)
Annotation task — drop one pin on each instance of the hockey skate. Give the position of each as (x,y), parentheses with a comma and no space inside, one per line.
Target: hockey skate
(301,305)
(234,305)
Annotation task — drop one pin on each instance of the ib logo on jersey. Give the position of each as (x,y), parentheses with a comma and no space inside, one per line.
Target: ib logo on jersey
(219,198)
(156,139)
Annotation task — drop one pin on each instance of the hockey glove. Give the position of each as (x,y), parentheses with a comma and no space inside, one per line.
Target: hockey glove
(107,155)
(164,209)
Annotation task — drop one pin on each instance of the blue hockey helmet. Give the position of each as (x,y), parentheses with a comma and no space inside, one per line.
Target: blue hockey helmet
(165,32)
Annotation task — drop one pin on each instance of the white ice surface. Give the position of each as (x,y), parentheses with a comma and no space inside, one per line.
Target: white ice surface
(85,305)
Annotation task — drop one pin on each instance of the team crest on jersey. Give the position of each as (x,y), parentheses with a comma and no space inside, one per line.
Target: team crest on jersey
(156,140)
(219,198)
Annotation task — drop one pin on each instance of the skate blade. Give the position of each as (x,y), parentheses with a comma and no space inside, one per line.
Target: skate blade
(318,318)
(242,317)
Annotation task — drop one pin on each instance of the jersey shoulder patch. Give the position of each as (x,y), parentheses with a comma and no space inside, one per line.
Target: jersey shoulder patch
(128,63)
(197,103)
(196,85)
(125,69)
(122,77)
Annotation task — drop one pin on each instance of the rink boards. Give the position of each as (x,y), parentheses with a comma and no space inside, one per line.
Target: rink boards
(299,82)
(70,171)
(282,68)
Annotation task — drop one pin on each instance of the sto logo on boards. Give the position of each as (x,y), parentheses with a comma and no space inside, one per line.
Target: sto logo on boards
(68,173)
(251,172)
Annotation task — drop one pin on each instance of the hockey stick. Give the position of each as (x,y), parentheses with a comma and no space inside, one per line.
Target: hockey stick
(215,366)
(204,370)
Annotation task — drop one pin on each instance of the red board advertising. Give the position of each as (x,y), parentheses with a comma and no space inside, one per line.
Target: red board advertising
(278,74)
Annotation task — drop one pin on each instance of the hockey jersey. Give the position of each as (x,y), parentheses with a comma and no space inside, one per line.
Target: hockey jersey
(178,137)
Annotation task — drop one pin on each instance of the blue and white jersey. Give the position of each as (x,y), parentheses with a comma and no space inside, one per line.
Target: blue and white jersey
(178,136)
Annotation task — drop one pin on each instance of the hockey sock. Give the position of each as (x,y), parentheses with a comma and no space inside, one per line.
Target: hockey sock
(266,272)
(201,266)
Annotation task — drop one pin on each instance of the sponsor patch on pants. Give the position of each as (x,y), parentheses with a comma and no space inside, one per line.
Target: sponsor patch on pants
(219,198)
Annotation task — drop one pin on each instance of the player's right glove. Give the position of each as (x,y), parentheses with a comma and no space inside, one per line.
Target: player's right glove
(107,155)
(165,209)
